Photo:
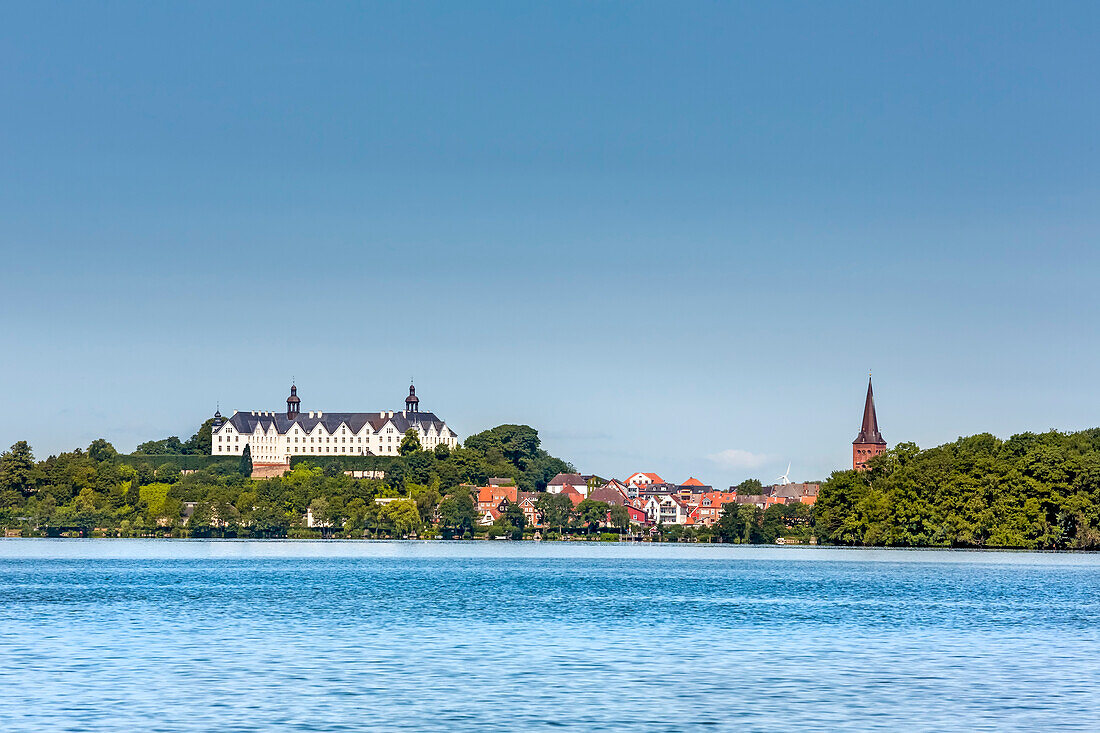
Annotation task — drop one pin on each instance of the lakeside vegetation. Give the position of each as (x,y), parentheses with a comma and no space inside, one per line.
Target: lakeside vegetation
(1032,491)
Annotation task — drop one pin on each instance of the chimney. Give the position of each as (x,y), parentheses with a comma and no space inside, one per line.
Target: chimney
(311,413)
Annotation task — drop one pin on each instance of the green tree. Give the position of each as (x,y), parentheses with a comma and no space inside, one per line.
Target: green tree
(410,443)
(750,487)
(555,509)
(620,517)
(592,514)
(100,450)
(17,468)
(514,520)
(245,466)
(403,515)
(457,513)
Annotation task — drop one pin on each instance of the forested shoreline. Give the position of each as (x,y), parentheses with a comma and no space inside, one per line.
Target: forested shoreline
(1031,491)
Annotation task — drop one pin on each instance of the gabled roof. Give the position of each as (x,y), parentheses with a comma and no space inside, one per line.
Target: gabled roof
(247,422)
(567,479)
(575,496)
(608,494)
(496,494)
(693,482)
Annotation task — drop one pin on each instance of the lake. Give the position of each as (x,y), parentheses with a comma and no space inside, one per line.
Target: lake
(337,636)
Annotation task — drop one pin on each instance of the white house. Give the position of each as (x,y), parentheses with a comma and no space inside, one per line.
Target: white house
(644,479)
(563,481)
(670,510)
(276,437)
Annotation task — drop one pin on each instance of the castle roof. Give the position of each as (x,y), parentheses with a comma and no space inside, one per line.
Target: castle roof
(246,422)
(868,432)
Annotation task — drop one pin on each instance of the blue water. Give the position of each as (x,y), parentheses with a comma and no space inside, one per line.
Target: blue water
(239,636)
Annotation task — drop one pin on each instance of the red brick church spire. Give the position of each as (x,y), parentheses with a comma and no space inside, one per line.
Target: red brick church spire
(869,442)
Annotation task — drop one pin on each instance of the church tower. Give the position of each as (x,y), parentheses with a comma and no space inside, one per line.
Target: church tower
(869,442)
(412,402)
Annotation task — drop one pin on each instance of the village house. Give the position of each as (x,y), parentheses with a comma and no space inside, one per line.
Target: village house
(495,498)
(564,481)
(644,479)
(708,510)
(527,504)
(670,510)
(803,493)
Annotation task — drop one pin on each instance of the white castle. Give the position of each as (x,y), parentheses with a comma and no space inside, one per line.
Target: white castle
(276,437)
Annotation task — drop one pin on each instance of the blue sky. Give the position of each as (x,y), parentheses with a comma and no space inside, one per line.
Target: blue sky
(671,236)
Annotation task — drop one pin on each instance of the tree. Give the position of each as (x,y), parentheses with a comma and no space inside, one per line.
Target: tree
(750,487)
(592,513)
(245,466)
(100,450)
(17,468)
(514,519)
(457,514)
(168,446)
(620,517)
(403,515)
(442,451)
(410,443)
(555,509)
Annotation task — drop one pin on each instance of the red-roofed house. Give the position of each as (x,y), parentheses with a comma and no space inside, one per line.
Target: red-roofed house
(575,496)
(531,516)
(709,509)
(644,479)
(496,498)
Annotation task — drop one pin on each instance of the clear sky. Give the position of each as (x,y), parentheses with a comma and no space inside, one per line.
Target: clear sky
(673,237)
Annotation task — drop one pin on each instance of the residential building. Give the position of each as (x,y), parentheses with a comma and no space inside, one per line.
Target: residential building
(496,497)
(805,493)
(670,510)
(575,496)
(708,510)
(568,480)
(609,494)
(527,504)
(644,479)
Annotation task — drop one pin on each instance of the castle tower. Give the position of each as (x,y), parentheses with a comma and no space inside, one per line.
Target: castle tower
(869,442)
(292,403)
(412,402)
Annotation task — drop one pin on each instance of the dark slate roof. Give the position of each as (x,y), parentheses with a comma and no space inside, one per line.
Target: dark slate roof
(567,479)
(245,422)
(608,494)
(868,432)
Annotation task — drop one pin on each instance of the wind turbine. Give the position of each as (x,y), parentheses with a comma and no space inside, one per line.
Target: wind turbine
(786,477)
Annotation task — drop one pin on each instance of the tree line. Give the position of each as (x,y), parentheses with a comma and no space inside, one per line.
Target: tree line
(1032,491)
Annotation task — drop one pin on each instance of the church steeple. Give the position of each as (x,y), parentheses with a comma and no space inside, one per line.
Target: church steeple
(412,402)
(869,442)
